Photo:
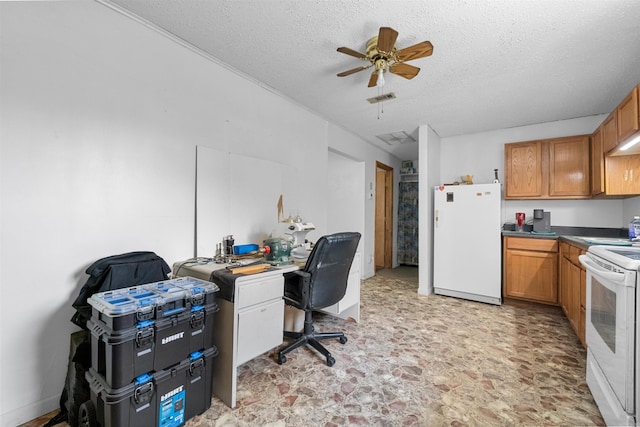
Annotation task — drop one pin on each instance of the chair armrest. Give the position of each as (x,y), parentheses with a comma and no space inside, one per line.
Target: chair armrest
(296,288)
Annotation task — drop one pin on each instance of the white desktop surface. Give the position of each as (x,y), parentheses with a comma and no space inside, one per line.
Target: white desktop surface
(251,325)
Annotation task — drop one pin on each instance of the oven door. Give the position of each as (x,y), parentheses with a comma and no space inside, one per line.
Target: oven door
(610,333)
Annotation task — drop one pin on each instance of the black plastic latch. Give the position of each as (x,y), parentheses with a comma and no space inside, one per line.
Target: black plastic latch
(196,367)
(197,299)
(143,393)
(144,336)
(145,313)
(197,319)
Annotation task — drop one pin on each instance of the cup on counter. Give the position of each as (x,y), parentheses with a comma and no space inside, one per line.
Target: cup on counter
(520,216)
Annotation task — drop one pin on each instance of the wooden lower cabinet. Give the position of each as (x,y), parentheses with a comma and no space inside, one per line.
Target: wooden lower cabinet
(547,271)
(573,282)
(531,269)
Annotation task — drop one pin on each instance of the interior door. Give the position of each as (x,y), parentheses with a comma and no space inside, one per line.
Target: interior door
(384,216)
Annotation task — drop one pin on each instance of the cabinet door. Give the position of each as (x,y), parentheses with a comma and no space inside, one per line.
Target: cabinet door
(597,163)
(569,167)
(523,169)
(623,175)
(574,297)
(532,275)
(259,330)
(564,284)
(628,116)
(609,133)
(583,305)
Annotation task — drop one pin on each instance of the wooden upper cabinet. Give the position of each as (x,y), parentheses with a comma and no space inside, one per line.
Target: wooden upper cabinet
(597,163)
(623,175)
(627,112)
(557,168)
(523,169)
(610,133)
(569,166)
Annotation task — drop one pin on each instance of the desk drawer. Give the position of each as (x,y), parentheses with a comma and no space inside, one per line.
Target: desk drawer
(259,330)
(258,291)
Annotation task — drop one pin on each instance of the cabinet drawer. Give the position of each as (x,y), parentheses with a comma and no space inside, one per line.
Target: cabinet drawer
(259,330)
(531,244)
(260,290)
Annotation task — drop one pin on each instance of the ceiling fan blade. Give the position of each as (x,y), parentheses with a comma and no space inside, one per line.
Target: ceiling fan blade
(352,71)
(404,70)
(352,52)
(387,39)
(373,79)
(416,51)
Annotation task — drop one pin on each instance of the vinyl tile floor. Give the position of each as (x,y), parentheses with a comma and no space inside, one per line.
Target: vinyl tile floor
(416,360)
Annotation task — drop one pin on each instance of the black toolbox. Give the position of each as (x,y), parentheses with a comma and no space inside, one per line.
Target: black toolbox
(150,327)
(166,398)
(125,308)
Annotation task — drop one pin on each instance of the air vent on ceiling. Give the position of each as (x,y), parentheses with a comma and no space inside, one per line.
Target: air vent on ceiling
(395,138)
(383,97)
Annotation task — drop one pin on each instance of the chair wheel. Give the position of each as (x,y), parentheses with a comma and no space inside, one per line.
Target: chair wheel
(330,361)
(87,415)
(343,340)
(281,359)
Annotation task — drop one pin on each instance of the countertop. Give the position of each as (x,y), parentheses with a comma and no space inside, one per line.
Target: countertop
(573,234)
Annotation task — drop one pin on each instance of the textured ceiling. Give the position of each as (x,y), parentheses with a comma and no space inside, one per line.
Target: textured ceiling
(496,63)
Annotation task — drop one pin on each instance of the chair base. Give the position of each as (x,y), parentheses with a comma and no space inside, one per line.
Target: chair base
(311,337)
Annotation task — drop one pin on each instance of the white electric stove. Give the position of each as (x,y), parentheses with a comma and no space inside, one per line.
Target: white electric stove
(611,333)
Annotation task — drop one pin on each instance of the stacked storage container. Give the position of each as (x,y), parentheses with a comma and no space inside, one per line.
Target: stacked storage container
(151,351)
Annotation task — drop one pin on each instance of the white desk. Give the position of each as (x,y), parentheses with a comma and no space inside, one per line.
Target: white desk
(247,327)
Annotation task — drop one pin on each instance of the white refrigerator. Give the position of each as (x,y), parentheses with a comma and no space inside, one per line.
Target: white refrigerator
(466,242)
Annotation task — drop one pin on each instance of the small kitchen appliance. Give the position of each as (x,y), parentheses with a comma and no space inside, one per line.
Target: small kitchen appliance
(541,221)
(611,333)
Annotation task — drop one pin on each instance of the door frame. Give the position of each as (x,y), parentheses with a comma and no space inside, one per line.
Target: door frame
(386,210)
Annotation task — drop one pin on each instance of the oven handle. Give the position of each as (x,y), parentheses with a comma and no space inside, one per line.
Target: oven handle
(596,269)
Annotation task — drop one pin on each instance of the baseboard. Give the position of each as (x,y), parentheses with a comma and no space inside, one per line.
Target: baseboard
(27,413)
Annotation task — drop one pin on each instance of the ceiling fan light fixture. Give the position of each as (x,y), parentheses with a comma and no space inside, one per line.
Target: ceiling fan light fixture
(380,81)
(382,53)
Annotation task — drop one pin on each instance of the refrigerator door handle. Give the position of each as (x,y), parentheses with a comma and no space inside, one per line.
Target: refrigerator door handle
(436,217)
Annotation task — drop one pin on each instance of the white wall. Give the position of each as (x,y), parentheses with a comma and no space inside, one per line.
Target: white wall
(101,117)
(631,208)
(355,148)
(429,159)
(345,197)
(479,154)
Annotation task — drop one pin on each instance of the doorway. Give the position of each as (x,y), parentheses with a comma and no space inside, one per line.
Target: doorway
(383,247)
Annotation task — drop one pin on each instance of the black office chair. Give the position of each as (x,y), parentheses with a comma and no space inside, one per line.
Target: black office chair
(321,283)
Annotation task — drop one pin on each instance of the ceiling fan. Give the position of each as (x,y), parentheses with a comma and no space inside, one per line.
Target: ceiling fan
(382,54)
